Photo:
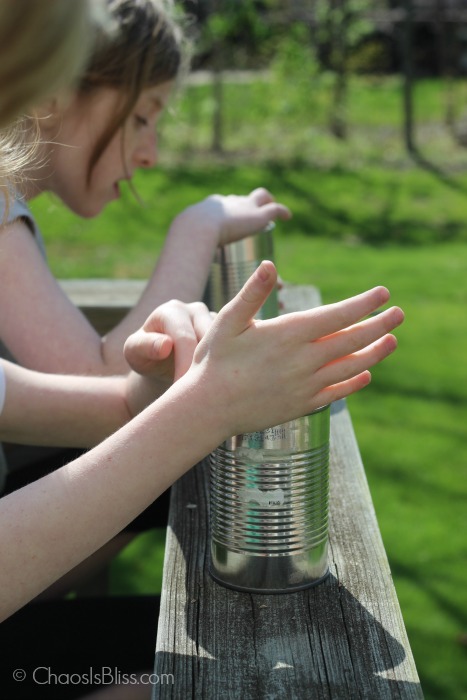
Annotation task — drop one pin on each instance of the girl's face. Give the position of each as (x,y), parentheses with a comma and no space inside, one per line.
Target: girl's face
(133,146)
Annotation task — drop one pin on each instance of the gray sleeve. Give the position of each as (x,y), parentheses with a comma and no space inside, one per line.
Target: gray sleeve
(18,209)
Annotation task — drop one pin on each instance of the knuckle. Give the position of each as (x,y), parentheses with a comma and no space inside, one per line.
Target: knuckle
(199,306)
(185,334)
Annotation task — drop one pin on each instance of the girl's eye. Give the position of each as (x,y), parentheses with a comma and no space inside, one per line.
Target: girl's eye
(141,121)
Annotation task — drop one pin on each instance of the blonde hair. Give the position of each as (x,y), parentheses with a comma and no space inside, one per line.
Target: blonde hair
(16,150)
(44,45)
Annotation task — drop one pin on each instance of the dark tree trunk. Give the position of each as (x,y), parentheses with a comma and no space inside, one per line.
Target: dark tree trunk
(338,118)
(407,57)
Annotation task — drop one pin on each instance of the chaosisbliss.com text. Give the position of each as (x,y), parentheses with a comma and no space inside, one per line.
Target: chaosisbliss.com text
(45,675)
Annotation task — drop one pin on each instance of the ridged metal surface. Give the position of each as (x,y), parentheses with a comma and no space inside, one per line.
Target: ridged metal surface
(233,265)
(269,499)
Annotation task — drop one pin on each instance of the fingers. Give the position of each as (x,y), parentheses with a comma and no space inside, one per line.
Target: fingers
(331,318)
(276,211)
(341,390)
(143,349)
(261,195)
(360,335)
(202,318)
(240,312)
(172,327)
(187,333)
(173,319)
(185,324)
(264,199)
(353,365)
(350,374)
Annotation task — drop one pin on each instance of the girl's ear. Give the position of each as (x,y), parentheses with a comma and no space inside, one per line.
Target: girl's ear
(50,113)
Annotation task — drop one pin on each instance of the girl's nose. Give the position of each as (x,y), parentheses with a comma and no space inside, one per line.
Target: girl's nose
(146,154)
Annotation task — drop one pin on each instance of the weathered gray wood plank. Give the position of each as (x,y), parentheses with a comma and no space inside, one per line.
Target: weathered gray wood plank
(97,293)
(341,640)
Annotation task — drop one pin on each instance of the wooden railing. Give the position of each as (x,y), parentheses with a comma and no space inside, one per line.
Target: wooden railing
(344,638)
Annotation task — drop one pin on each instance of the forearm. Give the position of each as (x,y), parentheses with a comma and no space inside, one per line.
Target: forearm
(181,273)
(184,264)
(141,391)
(53,524)
(44,409)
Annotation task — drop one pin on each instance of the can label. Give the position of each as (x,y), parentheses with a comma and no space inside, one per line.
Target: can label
(267,499)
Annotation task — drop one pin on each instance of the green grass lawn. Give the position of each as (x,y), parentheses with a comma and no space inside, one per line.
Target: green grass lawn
(357,222)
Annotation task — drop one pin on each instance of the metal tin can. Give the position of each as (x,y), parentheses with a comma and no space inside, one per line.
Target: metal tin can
(233,264)
(269,507)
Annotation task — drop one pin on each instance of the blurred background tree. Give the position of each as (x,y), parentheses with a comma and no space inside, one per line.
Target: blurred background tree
(340,27)
(412,38)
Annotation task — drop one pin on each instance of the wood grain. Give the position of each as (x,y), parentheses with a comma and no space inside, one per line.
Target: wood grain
(342,639)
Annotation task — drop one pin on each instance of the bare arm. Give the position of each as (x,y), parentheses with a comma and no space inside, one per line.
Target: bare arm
(70,411)
(46,332)
(59,337)
(51,525)
(40,326)
(80,411)
(65,411)
(194,235)
(184,264)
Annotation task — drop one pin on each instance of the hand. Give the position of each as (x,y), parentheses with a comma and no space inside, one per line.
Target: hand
(270,372)
(239,216)
(163,348)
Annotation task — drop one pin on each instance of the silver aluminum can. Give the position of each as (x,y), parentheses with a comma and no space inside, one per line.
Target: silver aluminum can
(233,264)
(269,496)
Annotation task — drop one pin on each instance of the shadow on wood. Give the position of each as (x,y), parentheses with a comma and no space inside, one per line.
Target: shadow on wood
(342,639)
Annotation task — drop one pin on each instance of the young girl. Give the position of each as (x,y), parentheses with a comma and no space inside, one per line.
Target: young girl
(238,382)
(100,135)
(36,38)
(90,144)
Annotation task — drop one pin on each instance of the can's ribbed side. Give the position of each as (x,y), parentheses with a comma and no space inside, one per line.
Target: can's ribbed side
(269,497)
(227,279)
(232,266)
(274,508)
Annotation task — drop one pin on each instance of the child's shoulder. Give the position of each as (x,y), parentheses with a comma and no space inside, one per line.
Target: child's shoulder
(13,208)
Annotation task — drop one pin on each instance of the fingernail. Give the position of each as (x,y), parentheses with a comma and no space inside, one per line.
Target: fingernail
(392,343)
(262,272)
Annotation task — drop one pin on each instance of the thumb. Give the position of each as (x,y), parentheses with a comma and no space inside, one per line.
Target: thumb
(246,304)
(142,350)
